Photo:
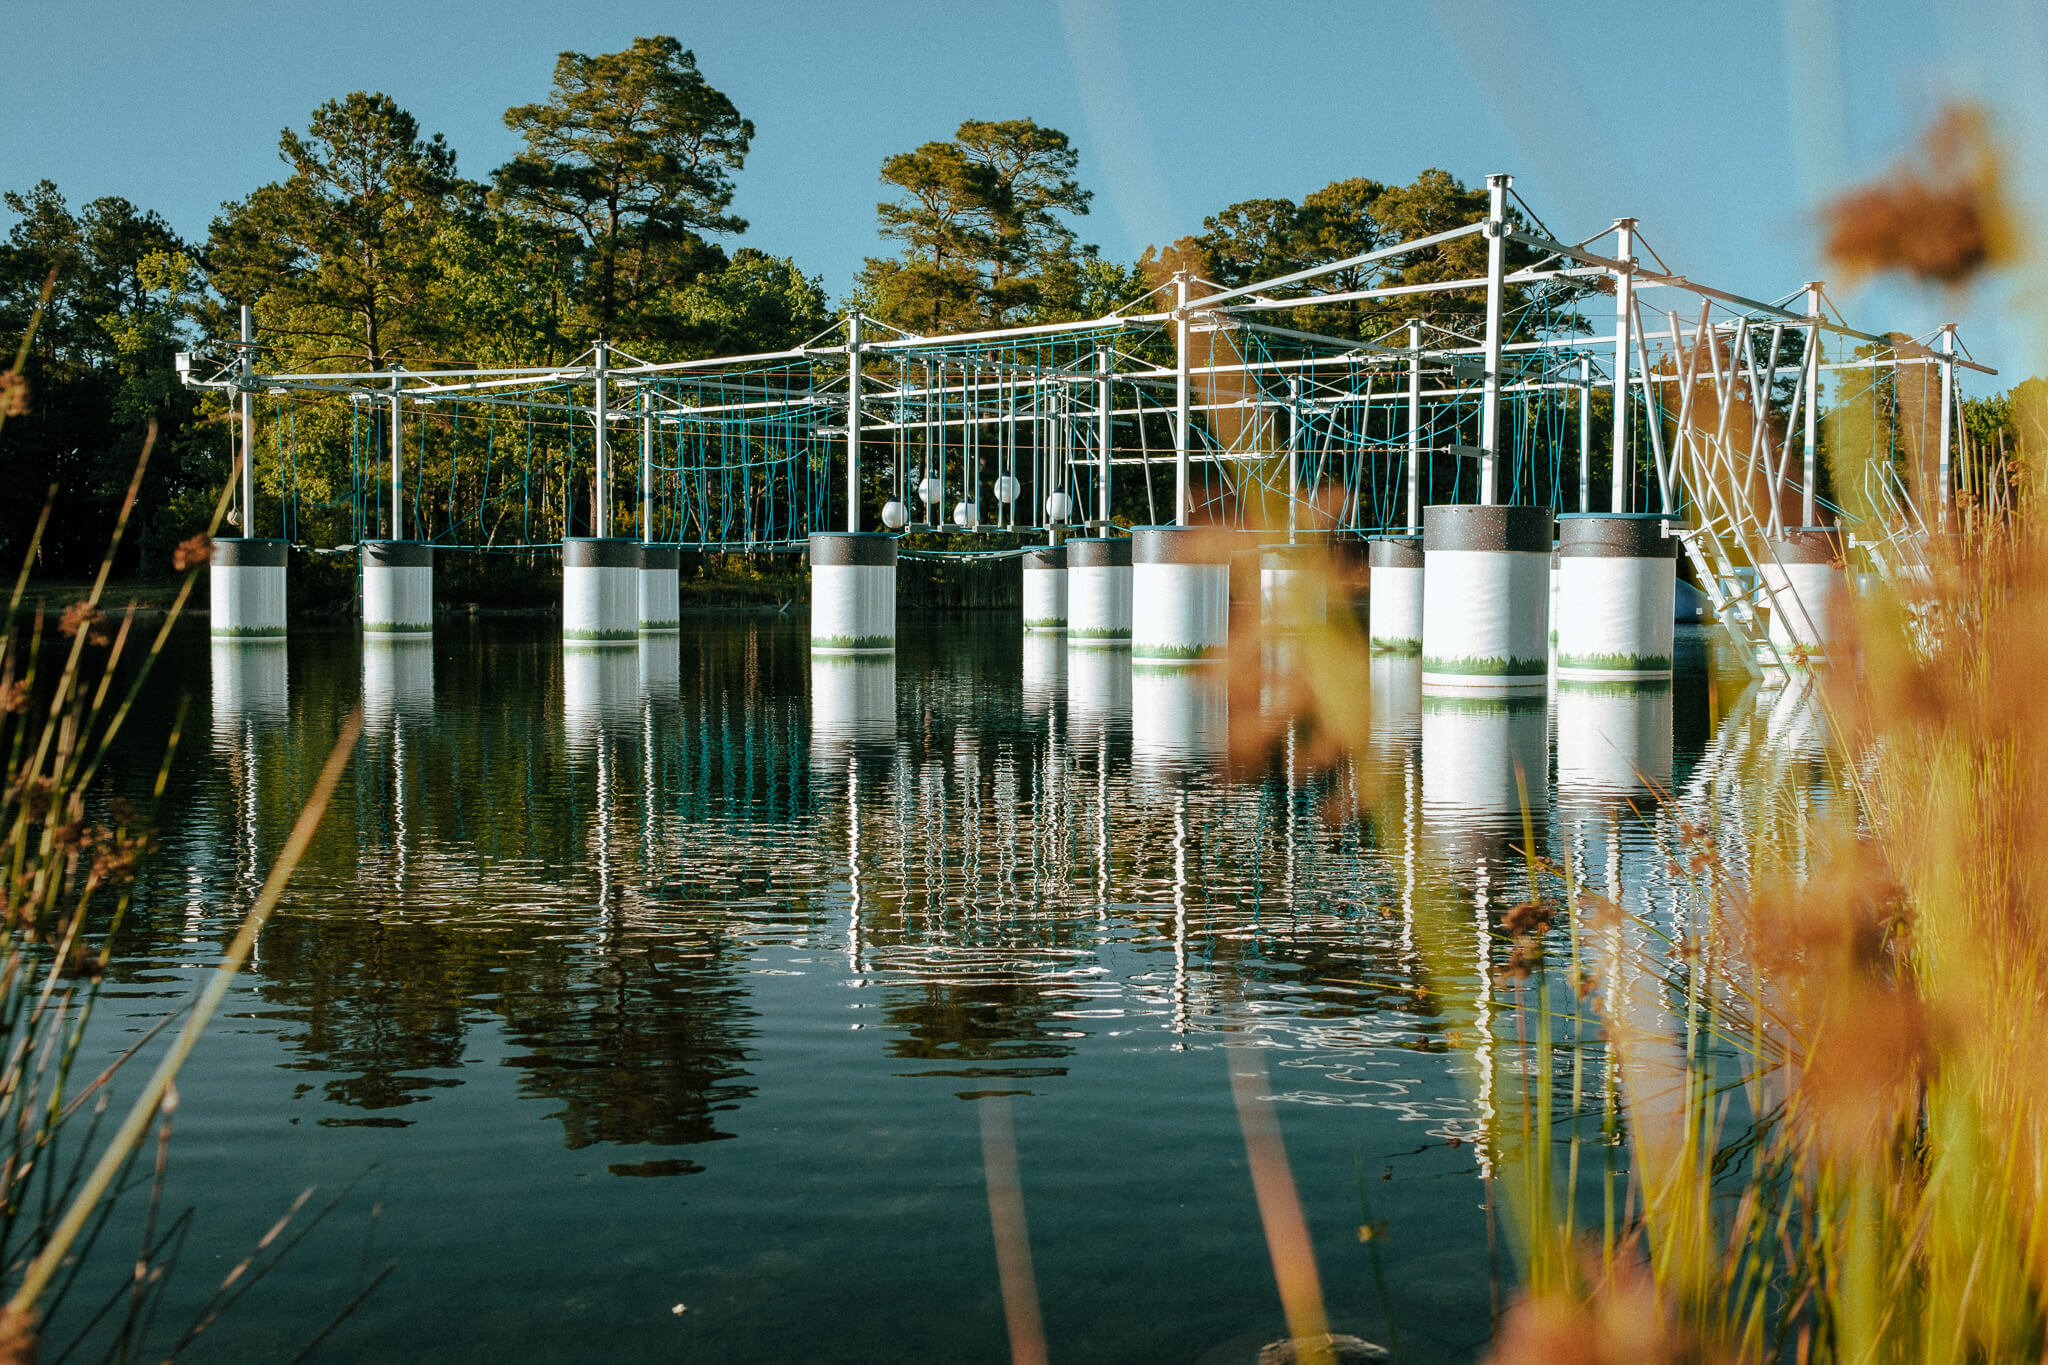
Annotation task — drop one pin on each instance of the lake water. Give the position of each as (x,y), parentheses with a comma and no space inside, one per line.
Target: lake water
(639,1003)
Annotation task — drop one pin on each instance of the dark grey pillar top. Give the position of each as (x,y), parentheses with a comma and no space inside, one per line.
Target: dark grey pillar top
(250,553)
(1396,552)
(853,549)
(398,554)
(592,552)
(1461,526)
(1098,552)
(1180,545)
(1627,535)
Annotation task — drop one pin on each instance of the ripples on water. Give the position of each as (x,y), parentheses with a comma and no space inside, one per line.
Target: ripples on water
(626,978)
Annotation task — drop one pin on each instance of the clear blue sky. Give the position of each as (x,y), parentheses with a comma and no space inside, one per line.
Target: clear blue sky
(1719,125)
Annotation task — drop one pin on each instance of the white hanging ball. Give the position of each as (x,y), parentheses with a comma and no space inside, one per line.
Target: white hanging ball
(931,488)
(966,515)
(1007,488)
(1059,506)
(895,515)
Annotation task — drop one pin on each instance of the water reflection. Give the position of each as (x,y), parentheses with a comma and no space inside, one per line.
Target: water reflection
(1044,673)
(1098,693)
(248,689)
(746,909)
(853,699)
(600,691)
(1613,741)
(1484,763)
(1180,719)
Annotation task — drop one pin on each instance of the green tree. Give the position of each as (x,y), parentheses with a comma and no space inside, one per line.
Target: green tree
(100,372)
(982,220)
(633,157)
(341,251)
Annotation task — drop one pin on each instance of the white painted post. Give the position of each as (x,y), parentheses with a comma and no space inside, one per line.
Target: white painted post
(1809,470)
(1585,433)
(397,457)
(1181,433)
(1105,418)
(1948,416)
(1414,424)
(1496,289)
(1624,322)
(853,421)
(248,387)
(1293,458)
(601,511)
(646,465)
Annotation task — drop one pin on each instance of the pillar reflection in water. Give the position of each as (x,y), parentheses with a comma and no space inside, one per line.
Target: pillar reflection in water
(1180,718)
(398,700)
(1613,741)
(249,705)
(661,667)
(600,691)
(853,700)
(1396,704)
(1479,755)
(1045,673)
(1098,693)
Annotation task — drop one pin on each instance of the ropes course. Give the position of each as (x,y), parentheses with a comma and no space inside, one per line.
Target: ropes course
(1582,382)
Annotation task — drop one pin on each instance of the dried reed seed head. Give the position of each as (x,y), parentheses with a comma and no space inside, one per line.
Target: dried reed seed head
(86,617)
(192,552)
(15,697)
(14,394)
(1942,221)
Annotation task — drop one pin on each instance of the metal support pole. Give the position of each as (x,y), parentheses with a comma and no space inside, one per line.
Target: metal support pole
(397,457)
(1585,433)
(1496,289)
(1809,469)
(1624,345)
(248,387)
(1414,424)
(646,466)
(1948,417)
(853,421)
(1293,458)
(1104,425)
(1181,432)
(601,498)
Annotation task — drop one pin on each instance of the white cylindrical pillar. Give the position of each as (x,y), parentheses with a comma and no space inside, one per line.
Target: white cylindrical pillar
(600,590)
(398,587)
(1180,594)
(853,699)
(1808,588)
(1616,605)
(1394,594)
(660,589)
(853,592)
(1045,673)
(1099,591)
(246,583)
(1098,691)
(1293,587)
(1486,598)
(1613,741)
(1045,587)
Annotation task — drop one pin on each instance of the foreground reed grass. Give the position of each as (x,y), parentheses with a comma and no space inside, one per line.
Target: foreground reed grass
(71,853)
